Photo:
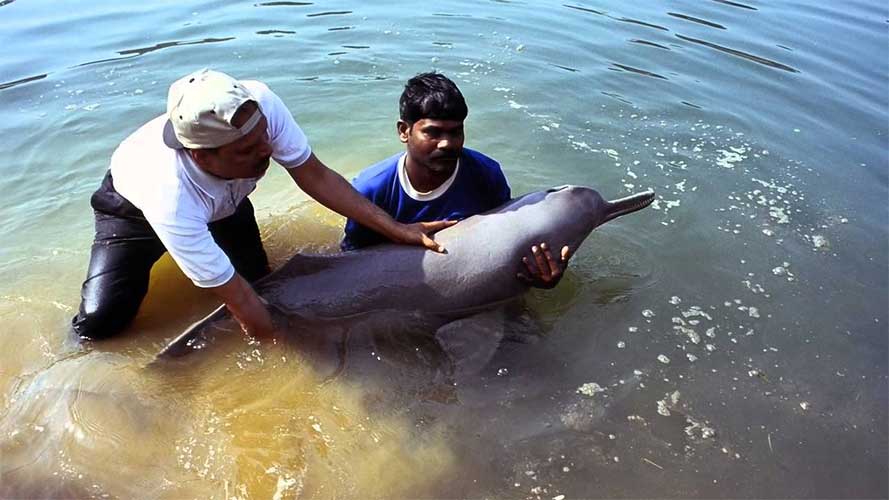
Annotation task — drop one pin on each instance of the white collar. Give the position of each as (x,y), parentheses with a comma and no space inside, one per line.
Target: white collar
(429,195)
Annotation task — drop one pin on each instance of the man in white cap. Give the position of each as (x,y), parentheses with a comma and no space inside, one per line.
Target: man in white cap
(179,184)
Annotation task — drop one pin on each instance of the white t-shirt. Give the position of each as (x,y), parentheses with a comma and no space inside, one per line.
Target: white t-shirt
(179,199)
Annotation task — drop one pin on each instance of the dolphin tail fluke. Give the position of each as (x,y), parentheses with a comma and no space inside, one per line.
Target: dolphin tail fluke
(629,204)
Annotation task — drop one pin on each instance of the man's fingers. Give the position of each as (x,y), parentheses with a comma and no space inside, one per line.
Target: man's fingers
(433,245)
(542,266)
(554,268)
(530,268)
(435,226)
(566,253)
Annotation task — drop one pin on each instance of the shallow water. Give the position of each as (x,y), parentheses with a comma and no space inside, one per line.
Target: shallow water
(760,274)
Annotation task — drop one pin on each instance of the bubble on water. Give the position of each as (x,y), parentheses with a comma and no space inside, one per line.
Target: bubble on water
(648,313)
(590,389)
(779,215)
(663,359)
(728,158)
(698,431)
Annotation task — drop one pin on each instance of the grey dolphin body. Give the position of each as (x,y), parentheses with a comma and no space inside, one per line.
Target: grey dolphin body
(479,269)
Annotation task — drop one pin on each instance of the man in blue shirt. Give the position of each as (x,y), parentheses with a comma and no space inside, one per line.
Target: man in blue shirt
(437,178)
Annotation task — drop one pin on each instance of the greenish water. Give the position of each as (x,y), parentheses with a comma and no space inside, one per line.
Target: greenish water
(762,273)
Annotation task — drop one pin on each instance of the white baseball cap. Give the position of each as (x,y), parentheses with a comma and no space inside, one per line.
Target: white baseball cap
(200,108)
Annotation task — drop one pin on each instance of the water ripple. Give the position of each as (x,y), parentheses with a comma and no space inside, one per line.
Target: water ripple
(618,97)
(736,4)
(640,23)
(280,4)
(566,68)
(639,71)
(330,13)
(13,83)
(585,9)
(696,20)
(130,53)
(646,42)
(738,53)
(275,32)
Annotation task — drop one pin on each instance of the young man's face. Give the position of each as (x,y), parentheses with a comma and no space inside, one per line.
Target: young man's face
(245,158)
(433,144)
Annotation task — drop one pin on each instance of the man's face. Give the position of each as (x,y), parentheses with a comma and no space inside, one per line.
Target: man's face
(433,144)
(245,158)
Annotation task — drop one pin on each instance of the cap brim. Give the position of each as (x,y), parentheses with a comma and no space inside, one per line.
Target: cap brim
(170,137)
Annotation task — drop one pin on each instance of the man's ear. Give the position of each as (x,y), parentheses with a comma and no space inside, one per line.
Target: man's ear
(404,130)
(196,155)
(201,157)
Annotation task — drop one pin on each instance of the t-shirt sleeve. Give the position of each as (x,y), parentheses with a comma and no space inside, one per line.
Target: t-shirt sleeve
(193,249)
(290,146)
(357,236)
(498,188)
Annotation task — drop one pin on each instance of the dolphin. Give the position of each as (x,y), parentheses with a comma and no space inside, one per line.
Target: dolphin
(478,271)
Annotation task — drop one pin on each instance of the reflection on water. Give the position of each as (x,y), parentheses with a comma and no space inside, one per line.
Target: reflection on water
(734,330)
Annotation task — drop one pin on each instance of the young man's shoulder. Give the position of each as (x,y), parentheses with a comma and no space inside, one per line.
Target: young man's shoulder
(481,159)
(378,175)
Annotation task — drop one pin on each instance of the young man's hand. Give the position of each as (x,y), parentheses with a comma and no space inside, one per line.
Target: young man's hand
(418,234)
(545,272)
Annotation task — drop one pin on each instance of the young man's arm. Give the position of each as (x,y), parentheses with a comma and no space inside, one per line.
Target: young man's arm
(334,192)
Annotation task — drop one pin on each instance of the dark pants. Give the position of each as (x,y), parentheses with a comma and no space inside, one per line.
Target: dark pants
(126,247)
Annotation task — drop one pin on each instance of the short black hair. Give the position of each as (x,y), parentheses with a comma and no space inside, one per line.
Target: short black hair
(432,95)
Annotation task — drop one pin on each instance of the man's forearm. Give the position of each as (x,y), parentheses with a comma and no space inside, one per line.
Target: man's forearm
(334,192)
(246,306)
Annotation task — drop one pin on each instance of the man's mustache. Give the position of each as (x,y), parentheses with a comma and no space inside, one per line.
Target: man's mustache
(451,155)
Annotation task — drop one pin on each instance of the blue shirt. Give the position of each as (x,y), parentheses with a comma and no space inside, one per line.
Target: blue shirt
(478,186)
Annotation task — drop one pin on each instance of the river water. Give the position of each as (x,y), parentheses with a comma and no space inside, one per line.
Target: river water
(736,332)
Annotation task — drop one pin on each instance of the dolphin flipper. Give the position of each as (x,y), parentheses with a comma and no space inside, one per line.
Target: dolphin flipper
(192,339)
(629,204)
(471,342)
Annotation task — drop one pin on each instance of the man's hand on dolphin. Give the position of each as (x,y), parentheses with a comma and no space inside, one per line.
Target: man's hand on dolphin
(419,233)
(546,271)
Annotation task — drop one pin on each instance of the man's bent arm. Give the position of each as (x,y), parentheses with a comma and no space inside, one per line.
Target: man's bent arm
(246,306)
(334,192)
